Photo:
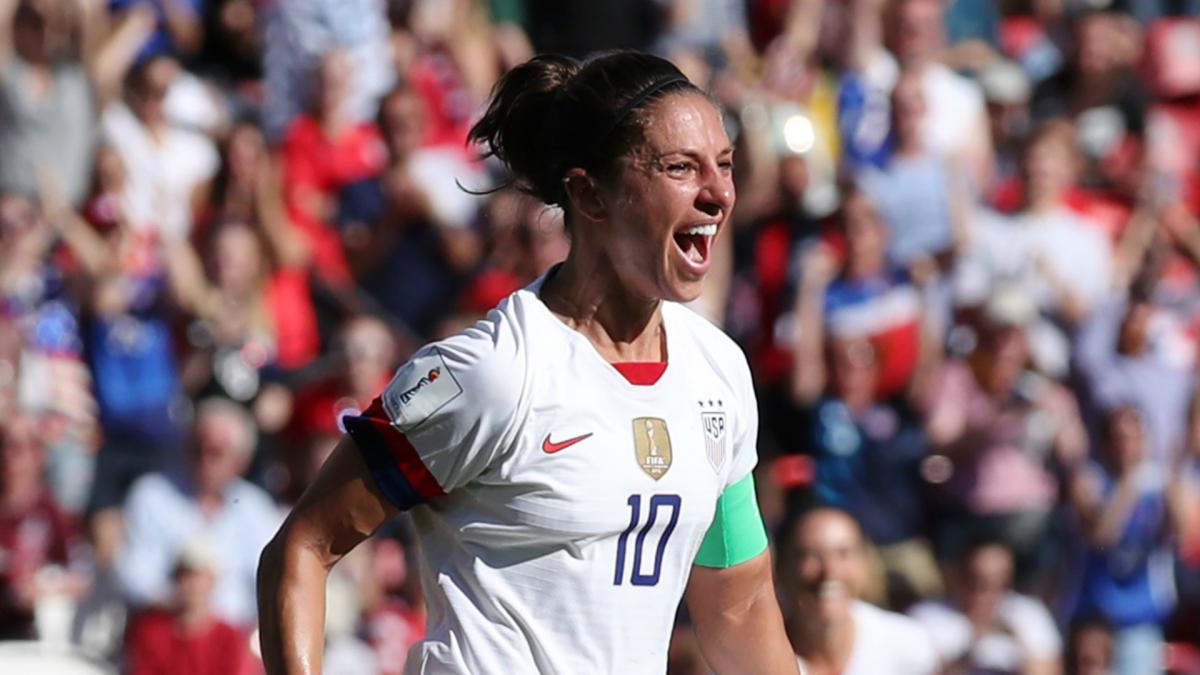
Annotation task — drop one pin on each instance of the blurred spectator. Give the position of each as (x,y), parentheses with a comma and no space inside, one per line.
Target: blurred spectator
(986,627)
(185,637)
(1133,353)
(296,38)
(1004,430)
(324,150)
(704,36)
(209,499)
(128,345)
(1127,576)
(1007,90)
(1090,651)
(398,620)
(38,541)
(868,457)
(39,301)
(232,50)
(178,30)
(823,572)
(363,364)
(410,243)
(51,90)
(860,297)
(956,124)
(916,190)
(248,189)
(167,167)
(1060,260)
(1101,90)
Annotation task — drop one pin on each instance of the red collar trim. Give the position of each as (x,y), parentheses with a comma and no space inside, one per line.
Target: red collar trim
(641,373)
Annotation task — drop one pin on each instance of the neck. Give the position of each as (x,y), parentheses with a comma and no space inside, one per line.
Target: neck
(193,619)
(586,294)
(825,645)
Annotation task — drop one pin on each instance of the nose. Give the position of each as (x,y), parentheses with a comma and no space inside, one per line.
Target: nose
(717,195)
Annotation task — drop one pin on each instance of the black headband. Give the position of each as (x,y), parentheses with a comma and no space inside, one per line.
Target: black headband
(638,100)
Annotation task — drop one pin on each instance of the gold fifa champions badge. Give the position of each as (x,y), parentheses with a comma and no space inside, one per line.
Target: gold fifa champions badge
(652,444)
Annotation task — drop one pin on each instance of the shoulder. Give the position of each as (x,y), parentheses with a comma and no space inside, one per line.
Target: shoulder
(485,366)
(153,488)
(1024,608)
(945,80)
(1033,621)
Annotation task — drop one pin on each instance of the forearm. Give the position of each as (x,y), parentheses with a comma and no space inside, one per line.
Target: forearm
(808,371)
(335,513)
(291,606)
(751,641)
(184,26)
(737,620)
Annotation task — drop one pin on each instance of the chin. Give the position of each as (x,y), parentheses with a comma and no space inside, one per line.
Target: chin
(683,291)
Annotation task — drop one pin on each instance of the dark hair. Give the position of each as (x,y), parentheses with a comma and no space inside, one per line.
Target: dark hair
(554,113)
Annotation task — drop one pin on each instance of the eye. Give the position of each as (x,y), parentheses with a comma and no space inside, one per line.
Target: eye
(726,165)
(679,168)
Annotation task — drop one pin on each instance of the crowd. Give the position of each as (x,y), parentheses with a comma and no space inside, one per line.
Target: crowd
(964,264)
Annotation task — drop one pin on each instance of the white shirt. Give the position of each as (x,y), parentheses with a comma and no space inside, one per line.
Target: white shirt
(1008,248)
(1029,633)
(887,643)
(575,501)
(161,174)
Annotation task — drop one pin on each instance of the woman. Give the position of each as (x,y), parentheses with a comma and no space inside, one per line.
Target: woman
(564,457)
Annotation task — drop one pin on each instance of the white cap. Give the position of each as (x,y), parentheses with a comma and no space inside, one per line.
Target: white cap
(1005,83)
(1009,305)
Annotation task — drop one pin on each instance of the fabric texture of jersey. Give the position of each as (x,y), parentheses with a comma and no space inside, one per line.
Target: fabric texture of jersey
(559,507)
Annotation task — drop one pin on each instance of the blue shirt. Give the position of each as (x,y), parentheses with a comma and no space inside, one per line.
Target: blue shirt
(869,465)
(912,195)
(162,516)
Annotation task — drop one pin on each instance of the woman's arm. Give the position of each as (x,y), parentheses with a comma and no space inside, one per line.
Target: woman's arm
(737,619)
(341,508)
(808,372)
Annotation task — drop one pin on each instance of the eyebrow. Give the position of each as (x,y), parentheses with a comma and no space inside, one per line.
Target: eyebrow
(690,152)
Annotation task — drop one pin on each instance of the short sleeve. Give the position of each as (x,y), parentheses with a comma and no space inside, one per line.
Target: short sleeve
(745,438)
(446,416)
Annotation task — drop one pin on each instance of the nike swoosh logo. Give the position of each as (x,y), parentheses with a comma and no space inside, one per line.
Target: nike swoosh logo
(550,448)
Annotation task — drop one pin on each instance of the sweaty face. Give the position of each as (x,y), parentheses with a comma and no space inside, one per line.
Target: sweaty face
(671,197)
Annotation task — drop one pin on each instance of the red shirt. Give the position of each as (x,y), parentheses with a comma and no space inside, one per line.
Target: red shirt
(315,168)
(295,319)
(156,644)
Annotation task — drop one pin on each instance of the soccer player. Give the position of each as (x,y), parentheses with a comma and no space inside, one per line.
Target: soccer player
(579,458)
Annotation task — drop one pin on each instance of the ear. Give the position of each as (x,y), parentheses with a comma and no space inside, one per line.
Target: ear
(584,195)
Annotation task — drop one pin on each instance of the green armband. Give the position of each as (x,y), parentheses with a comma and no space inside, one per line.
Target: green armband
(737,533)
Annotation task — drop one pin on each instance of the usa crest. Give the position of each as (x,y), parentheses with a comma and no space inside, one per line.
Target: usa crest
(652,445)
(713,424)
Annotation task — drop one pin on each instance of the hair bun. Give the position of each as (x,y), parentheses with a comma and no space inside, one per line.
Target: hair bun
(521,127)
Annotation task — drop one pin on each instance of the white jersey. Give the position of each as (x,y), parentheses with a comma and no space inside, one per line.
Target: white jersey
(562,504)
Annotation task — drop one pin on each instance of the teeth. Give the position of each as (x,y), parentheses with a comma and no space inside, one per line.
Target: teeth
(709,230)
(831,590)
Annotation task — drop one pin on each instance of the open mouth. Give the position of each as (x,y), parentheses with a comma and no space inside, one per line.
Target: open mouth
(695,242)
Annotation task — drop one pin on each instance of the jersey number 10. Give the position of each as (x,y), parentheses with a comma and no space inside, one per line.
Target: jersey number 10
(635,516)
